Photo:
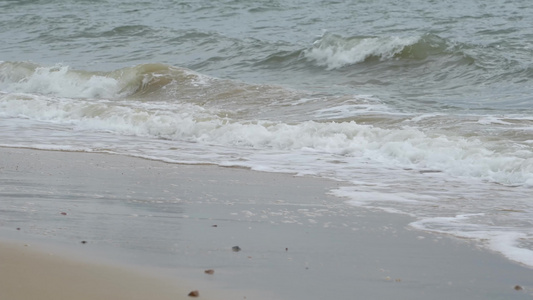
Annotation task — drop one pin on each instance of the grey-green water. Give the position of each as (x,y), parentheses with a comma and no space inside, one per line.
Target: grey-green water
(414,55)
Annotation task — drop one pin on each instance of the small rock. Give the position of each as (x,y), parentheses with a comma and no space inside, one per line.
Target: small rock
(518,288)
(84,242)
(64,213)
(194,294)
(210,271)
(286,249)
(18,228)
(236,248)
(214,225)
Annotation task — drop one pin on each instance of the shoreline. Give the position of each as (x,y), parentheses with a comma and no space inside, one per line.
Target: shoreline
(296,241)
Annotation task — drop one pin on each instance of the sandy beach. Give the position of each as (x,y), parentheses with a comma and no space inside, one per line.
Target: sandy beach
(102,226)
(32,274)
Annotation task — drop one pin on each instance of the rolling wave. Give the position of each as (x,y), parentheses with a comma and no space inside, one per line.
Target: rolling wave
(62,81)
(334,51)
(149,83)
(424,60)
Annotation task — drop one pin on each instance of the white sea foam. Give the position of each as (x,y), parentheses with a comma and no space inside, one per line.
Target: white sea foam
(500,239)
(406,147)
(61,82)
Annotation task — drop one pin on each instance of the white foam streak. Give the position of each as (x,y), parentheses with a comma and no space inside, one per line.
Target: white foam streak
(499,239)
(508,243)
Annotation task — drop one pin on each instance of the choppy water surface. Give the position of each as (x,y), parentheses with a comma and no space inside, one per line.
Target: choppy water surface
(426,108)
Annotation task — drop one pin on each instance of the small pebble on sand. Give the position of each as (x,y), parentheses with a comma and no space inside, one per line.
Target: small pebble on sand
(194,294)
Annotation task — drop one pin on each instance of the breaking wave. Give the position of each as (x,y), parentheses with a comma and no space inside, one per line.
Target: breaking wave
(335,51)
(62,81)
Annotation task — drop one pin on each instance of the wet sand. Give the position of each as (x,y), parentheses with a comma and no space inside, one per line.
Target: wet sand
(295,241)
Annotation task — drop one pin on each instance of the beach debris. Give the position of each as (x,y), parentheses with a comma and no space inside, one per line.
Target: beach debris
(214,225)
(194,293)
(286,249)
(84,242)
(18,228)
(518,288)
(63,213)
(210,271)
(236,248)
(388,278)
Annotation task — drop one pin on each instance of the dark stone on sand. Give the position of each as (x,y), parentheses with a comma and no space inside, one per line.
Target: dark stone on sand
(194,294)
(210,271)
(84,242)
(518,288)
(236,248)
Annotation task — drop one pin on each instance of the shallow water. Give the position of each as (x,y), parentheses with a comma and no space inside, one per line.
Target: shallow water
(425,107)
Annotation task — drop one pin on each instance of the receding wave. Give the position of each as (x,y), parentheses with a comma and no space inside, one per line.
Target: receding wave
(407,147)
(335,51)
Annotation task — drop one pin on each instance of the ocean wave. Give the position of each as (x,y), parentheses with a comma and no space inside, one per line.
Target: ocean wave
(63,81)
(149,83)
(335,51)
(172,103)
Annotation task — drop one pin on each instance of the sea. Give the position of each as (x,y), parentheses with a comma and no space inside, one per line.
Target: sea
(422,108)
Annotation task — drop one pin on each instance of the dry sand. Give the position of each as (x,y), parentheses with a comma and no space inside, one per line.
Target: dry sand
(28,274)
(296,241)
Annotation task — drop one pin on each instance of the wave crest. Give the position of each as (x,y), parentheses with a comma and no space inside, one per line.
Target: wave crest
(63,81)
(334,51)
